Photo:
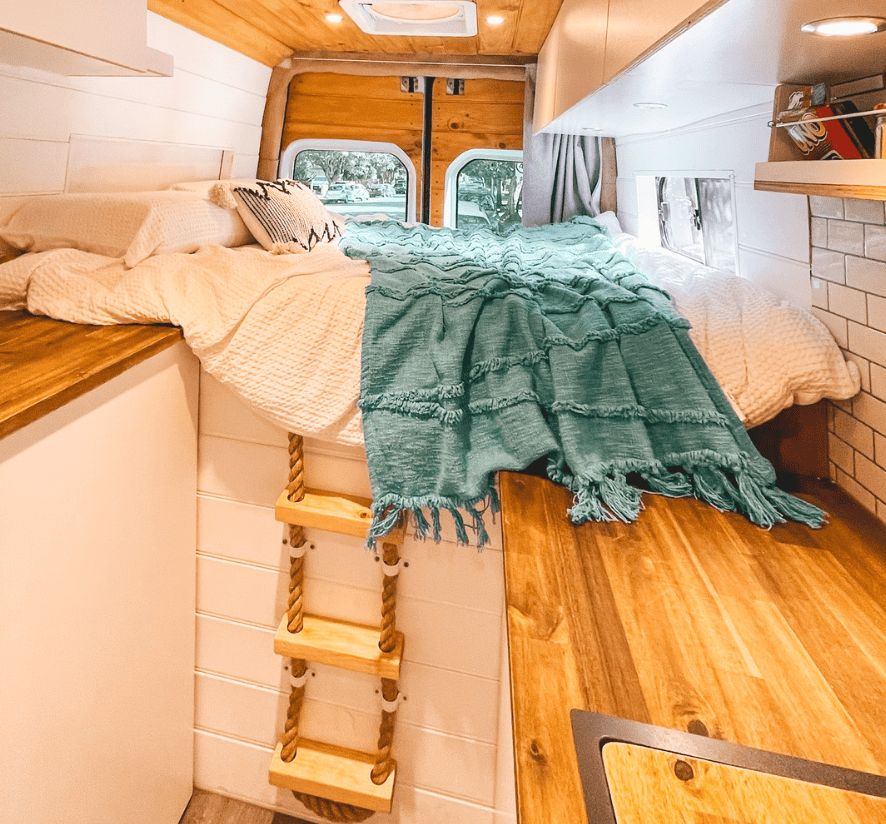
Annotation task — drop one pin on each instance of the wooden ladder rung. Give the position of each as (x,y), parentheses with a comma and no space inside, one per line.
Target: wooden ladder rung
(332,511)
(335,773)
(340,644)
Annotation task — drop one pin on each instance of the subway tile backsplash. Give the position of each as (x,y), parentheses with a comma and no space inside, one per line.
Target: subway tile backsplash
(849,296)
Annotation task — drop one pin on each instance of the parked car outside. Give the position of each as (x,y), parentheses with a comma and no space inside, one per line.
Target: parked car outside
(358,191)
(319,185)
(471,216)
(381,190)
(400,187)
(339,193)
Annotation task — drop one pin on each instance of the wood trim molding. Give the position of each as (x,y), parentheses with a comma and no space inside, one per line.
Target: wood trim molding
(608,175)
(418,58)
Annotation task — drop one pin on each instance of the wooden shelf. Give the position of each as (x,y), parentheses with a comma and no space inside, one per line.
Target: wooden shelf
(865,179)
(335,773)
(332,511)
(339,644)
(787,171)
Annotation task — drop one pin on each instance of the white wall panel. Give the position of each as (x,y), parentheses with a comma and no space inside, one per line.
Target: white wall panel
(450,608)
(243,532)
(206,58)
(215,98)
(246,472)
(773,229)
(773,222)
(787,278)
(32,165)
(235,768)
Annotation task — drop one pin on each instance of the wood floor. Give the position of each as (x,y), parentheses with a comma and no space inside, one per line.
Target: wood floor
(209,808)
(693,620)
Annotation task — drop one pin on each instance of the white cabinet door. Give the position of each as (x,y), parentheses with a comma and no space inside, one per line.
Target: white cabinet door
(97,556)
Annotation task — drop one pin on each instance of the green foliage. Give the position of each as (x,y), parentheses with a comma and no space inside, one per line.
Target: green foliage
(338,166)
(503,179)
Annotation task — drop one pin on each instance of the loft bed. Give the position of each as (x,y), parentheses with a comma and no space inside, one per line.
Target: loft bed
(766,355)
(331,310)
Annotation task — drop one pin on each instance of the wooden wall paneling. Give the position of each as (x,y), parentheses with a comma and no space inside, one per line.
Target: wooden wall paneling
(488,115)
(351,107)
(211,19)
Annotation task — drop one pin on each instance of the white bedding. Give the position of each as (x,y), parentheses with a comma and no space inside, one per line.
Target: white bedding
(765,353)
(284,331)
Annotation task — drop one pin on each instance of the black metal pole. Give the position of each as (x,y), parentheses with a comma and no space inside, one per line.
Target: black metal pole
(426,140)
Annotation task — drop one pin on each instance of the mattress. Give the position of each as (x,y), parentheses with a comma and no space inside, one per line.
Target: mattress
(284,331)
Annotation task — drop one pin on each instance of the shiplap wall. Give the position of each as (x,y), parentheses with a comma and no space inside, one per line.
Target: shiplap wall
(215,98)
(773,228)
(452,741)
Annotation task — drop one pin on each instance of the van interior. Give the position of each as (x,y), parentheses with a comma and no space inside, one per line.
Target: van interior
(443,411)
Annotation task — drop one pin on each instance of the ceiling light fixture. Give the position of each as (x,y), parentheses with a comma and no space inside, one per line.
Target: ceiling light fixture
(495,19)
(334,18)
(413,18)
(650,105)
(416,12)
(845,26)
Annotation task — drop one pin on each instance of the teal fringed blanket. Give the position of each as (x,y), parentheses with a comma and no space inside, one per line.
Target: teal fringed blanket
(484,352)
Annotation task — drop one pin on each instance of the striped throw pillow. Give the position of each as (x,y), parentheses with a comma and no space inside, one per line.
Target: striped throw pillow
(285,216)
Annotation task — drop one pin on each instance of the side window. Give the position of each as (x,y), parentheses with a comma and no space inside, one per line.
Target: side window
(696,219)
(484,188)
(353,177)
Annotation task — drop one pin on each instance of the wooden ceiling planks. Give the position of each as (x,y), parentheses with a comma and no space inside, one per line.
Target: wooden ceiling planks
(212,20)
(270,30)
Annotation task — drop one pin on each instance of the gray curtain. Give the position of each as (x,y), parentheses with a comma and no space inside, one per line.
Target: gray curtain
(561,172)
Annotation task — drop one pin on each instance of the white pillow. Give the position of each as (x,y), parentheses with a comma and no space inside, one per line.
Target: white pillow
(610,221)
(284,216)
(128,225)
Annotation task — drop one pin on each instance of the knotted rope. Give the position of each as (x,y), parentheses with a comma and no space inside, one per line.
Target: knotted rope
(384,763)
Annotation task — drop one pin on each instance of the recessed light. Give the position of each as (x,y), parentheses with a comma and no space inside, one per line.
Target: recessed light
(591,129)
(845,26)
(334,18)
(495,20)
(650,105)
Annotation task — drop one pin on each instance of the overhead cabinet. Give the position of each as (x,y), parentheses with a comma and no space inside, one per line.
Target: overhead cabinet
(80,37)
(592,42)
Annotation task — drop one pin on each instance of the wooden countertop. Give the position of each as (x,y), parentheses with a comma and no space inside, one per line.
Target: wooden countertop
(45,363)
(693,620)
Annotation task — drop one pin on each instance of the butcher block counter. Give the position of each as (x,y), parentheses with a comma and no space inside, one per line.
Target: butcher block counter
(693,620)
(46,363)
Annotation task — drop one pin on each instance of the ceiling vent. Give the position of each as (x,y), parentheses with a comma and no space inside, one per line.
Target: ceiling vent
(414,18)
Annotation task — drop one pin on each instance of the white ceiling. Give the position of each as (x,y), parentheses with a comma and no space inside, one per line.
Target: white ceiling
(732,59)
